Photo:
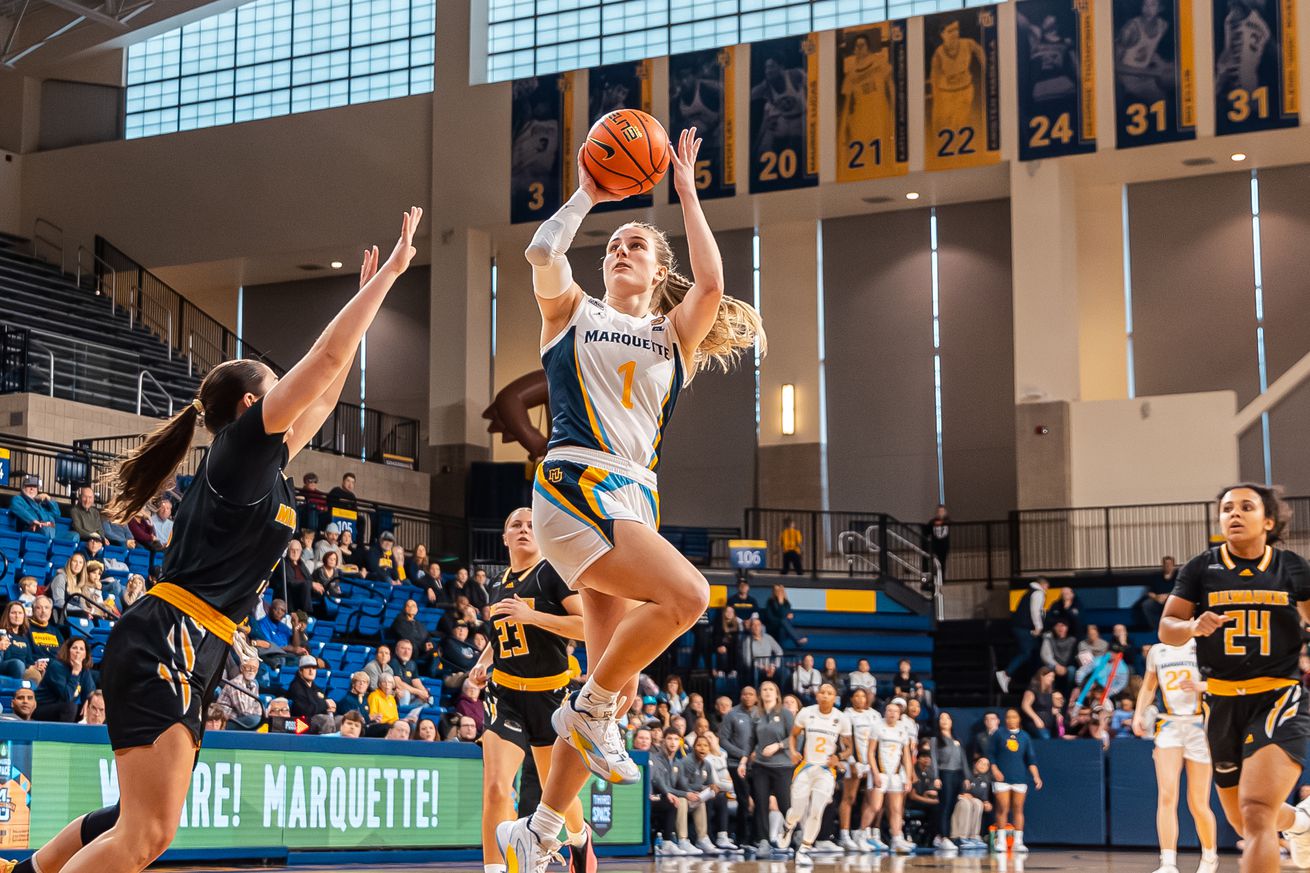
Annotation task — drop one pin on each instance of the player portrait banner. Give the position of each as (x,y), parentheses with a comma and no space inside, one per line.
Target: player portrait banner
(872,116)
(540,172)
(1255,67)
(1056,45)
(962,84)
(700,96)
(620,86)
(784,113)
(1154,72)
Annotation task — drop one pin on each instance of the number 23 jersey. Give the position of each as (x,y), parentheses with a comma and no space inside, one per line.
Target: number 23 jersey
(1262,637)
(528,651)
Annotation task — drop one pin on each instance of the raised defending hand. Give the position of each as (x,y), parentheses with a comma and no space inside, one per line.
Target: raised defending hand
(369,268)
(404,251)
(684,163)
(588,184)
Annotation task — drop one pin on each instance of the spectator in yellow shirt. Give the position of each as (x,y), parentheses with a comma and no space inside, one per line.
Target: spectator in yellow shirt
(790,542)
(382,708)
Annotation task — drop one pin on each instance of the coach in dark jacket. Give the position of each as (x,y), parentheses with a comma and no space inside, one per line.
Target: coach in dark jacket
(737,739)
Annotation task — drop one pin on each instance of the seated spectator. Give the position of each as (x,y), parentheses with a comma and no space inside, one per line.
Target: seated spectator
(162,521)
(673,693)
(356,699)
(215,718)
(434,590)
(408,627)
(23,706)
(1121,720)
(292,578)
(94,549)
(15,643)
(241,703)
(805,680)
(85,515)
(1150,606)
(1092,647)
(134,590)
(89,601)
(1093,725)
(379,565)
(903,681)
(93,711)
(69,579)
(307,549)
(308,699)
(343,496)
(400,729)
(458,612)
(143,531)
(973,805)
(833,677)
(466,730)
(742,602)
(1059,723)
(1133,657)
(32,509)
(923,796)
(457,655)
(399,560)
(277,714)
(27,591)
(761,654)
(426,731)
(67,683)
(278,636)
(382,706)
(1059,653)
(669,803)
(380,666)
(860,677)
(324,724)
(1066,609)
(331,535)
(1038,702)
(416,565)
(707,802)
(352,725)
(463,586)
(469,705)
(326,583)
(777,616)
(315,507)
(408,685)
(346,546)
(725,639)
(43,635)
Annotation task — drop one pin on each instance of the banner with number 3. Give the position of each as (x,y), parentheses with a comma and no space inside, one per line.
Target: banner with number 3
(1154,72)
(963,90)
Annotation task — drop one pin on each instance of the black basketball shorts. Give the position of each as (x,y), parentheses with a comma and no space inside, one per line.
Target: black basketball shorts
(522,717)
(1240,725)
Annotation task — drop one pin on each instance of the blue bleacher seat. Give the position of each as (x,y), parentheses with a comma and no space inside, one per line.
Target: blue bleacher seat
(116,553)
(36,545)
(37,567)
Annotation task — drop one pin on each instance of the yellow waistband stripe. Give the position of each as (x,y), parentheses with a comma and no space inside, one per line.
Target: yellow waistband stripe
(1226,688)
(539,683)
(204,615)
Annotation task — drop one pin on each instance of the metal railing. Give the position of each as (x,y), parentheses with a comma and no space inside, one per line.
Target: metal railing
(105,281)
(368,434)
(38,238)
(142,397)
(54,463)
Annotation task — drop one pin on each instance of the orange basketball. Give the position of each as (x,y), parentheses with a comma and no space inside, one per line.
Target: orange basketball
(627,152)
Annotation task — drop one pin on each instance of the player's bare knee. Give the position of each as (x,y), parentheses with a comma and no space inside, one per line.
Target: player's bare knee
(495,791)
(1258,814)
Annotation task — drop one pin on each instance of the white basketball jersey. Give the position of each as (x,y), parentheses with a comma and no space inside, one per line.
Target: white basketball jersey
(1173,665)
(863,723)
(1245,38)
(891,746)
(822,733)
(1140,44)
(614,380)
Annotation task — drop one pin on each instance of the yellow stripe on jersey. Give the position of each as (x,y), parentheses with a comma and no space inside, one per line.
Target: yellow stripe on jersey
(1227,688)
(659,425)
(1275,710)
(587,482)
(586,401)
(522,683)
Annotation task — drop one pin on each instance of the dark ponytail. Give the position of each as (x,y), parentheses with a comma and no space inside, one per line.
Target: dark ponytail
(138,476)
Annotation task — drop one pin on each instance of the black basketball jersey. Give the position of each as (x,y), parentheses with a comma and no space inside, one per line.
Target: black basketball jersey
(1263,637)
(235,520)
(528,651)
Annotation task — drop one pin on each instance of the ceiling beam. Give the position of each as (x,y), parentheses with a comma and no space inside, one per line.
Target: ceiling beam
(88,13)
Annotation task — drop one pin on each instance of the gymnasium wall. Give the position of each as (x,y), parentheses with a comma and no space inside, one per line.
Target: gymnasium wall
(285,319)
(11,168)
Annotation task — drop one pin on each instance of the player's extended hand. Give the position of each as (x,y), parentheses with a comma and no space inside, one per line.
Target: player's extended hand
(478,675)
(369,268)
(404,252)
(1139,729)
(684,163)
(513,609)
(1191,685)
(588,184)
(795,757)
(1209,622)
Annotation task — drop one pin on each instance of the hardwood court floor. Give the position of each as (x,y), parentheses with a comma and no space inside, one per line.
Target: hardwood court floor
(1039,861)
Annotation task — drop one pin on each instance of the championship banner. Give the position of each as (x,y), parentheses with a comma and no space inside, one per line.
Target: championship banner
(962,84)
(621,86)
(333,794)
(540,172)
(1154,72)
(1255,68)
(872,118)
(1057,78)
(700,96)
(784,113)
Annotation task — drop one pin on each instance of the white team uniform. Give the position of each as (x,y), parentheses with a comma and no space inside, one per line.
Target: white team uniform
(814,783)
(613,380)
(892,740)
(1181,725)
(863,724)
(1245,38)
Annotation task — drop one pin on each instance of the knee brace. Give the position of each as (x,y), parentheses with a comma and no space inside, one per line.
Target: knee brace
(98,821)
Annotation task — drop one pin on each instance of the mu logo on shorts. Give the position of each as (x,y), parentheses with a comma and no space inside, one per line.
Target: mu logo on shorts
(555,475)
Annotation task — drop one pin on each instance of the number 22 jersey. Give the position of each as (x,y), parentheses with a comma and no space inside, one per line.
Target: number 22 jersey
(1262,638)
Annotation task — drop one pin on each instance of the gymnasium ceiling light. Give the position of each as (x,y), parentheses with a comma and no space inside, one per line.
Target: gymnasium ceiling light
(788,409)
(1237,156)
(911,195)
(336,265)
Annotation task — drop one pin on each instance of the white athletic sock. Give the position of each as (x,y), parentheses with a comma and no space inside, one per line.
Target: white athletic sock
(845,834)
(577,839)
(1211,855)
(1018,837)
(877,834)
(36,868)
(493,868)
(595,699)
(546,823)
(1168,858)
